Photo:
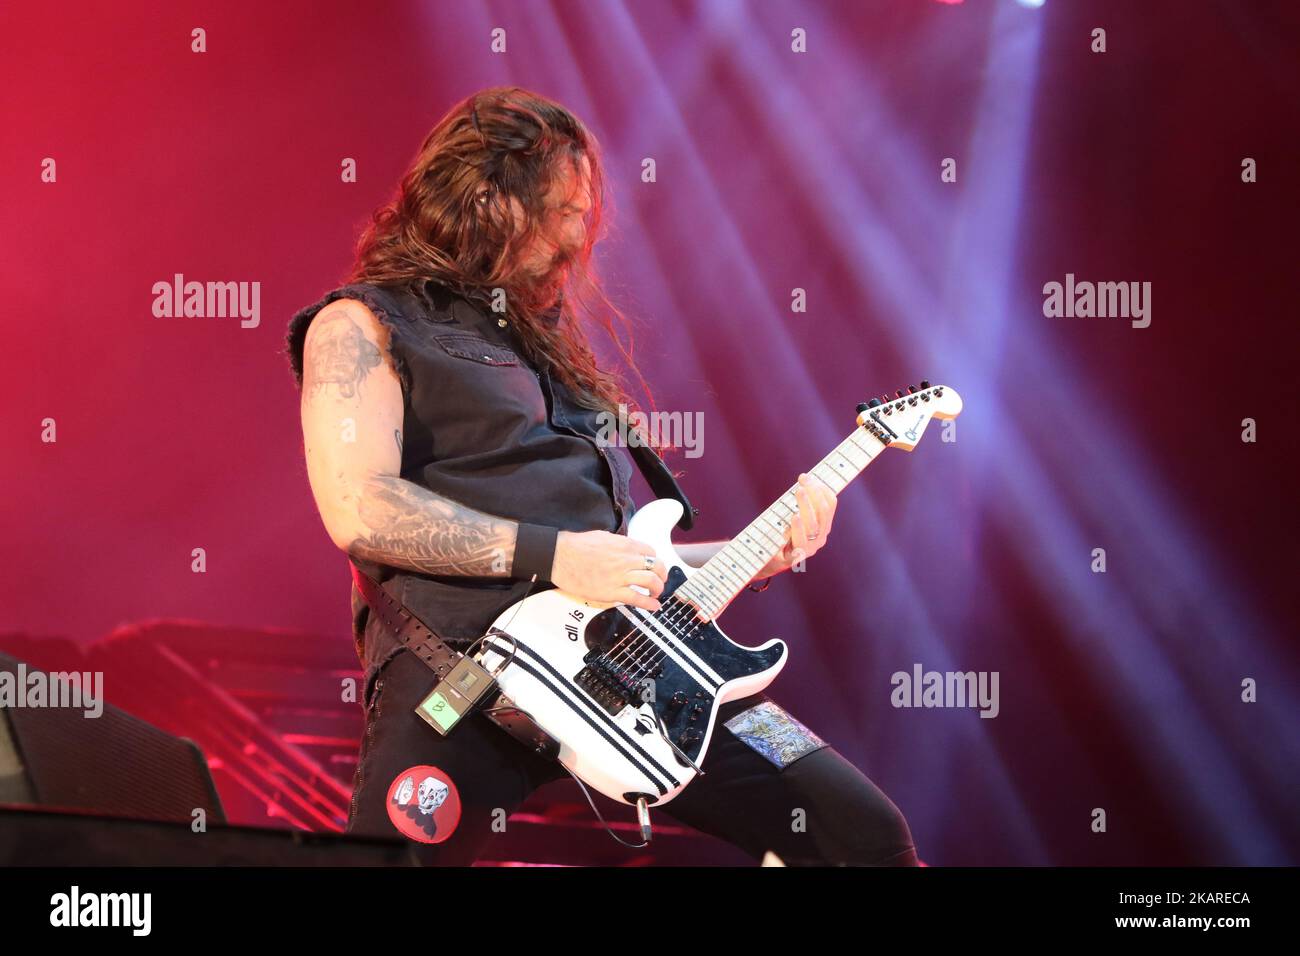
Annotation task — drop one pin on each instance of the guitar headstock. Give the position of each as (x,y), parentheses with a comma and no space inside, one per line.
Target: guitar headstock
(903,419)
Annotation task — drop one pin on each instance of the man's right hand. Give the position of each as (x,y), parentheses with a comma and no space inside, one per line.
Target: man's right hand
(601,568)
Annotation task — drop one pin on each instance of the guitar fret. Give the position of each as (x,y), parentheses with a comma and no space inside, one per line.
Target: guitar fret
(755,530)
(854,468)
(845,451)
(773,524)
(866,452)
(705,600)
(739,557)
(751,566)
(729,571)
(713,576)
(834,476)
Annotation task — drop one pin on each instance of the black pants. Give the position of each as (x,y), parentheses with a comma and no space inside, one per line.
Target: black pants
(813,809)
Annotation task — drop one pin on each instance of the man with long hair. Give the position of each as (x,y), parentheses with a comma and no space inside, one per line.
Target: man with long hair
(450,411)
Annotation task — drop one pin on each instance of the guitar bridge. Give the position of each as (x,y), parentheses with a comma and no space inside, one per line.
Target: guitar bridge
(610,687)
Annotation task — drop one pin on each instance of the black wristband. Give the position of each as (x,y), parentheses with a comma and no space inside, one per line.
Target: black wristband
(534,552)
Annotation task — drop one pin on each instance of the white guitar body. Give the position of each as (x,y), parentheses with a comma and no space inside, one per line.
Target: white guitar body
(623,753)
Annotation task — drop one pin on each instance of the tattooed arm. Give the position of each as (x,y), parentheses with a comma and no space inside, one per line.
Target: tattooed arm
(352,434)
(352,430)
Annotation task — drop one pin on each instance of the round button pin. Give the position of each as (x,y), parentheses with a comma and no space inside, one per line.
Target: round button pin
(424,804)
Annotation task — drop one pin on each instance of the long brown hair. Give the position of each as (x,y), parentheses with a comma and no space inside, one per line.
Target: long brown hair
(451,221)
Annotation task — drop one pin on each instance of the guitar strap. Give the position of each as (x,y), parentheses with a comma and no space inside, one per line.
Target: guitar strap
(662,482)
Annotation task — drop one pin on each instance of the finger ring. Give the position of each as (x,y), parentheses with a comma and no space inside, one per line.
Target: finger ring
(812,536)
(649,561)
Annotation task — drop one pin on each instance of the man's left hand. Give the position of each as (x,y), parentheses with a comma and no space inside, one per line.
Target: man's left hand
(809,528)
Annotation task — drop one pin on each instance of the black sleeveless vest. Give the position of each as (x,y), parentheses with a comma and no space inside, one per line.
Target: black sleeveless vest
(484,427)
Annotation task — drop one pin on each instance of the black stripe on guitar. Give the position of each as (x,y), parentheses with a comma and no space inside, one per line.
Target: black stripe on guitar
(565,693)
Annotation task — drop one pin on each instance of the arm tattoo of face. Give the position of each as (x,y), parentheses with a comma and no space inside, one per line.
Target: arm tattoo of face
(414,528)
(341,355)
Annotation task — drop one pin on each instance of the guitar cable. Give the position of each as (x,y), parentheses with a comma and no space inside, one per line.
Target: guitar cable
(495,631)
(642,806)
(643,810)
(642,813)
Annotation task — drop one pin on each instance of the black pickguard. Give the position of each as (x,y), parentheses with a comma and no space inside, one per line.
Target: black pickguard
(683,695)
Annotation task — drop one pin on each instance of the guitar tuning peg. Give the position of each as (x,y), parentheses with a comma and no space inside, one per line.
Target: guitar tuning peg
(911,390)
(874,403)
(924,383)
(899,393)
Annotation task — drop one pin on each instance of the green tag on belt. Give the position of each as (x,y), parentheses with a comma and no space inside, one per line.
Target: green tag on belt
(453,698)
(438,711)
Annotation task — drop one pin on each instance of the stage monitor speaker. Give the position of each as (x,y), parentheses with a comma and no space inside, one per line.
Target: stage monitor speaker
(114,764)
(37,838)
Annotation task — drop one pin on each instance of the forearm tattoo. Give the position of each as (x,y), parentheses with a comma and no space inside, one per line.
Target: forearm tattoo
(341,355)
(409,526)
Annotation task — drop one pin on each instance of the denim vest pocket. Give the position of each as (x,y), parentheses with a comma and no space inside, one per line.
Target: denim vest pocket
(468,346)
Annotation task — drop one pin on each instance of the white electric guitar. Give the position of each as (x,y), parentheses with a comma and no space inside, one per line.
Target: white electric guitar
(631,695)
